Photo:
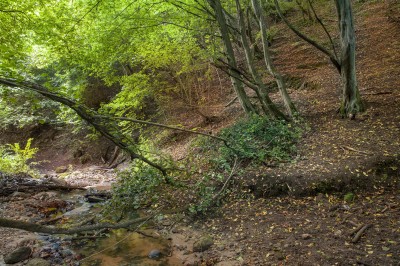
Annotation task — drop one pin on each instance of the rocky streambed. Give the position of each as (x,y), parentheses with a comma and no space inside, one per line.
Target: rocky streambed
(161,242)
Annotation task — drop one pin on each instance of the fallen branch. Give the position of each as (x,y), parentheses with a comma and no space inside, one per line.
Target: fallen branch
(360,232)
(358,227)
(354,150)
(32,227)
(217,196)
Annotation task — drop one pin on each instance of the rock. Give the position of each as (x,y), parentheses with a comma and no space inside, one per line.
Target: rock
(203,244)
(192,261)
(279,255)
(79,211)
(61,169)
(94,199)
(20,254)
(18,194)
(38,262)
(338,233)
(306,236)
(154,254)
(58,181)
(228,263)
(65,253)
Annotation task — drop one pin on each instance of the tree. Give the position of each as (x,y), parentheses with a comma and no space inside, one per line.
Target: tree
(345,64)
(235,30)
(231,60)
(107,128)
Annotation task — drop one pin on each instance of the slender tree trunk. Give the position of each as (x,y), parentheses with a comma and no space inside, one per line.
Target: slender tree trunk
(267,105)
(351,101)
(235,77)
(290,108)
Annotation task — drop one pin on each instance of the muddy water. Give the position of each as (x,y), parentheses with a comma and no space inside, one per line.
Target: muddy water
(121,247)
(125,248)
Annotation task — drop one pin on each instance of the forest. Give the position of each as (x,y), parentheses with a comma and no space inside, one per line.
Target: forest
(200,132)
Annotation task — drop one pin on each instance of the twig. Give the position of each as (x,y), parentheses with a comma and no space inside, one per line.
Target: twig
(360,232)
(231,102)
(358,228)
(218,195)
(352,149)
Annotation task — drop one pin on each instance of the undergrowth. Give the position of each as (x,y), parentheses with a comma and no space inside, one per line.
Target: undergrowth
(14,159)
(253,140)
(256,139)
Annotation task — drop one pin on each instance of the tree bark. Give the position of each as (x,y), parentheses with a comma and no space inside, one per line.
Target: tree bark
(351,101)
(290,108)
(235,77)
(268,106)
(31,227)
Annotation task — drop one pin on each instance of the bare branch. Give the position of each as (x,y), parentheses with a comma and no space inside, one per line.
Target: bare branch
(307,39)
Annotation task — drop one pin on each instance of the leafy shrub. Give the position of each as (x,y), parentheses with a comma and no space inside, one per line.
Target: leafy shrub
(205,190)
(14,159)
(136,187)
(259,138)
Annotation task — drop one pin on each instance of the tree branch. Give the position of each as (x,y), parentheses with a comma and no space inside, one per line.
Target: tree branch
(325,29)
(307,39)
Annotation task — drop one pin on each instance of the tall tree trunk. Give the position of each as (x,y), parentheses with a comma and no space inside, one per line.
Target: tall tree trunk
(267,105)
(346,64)
(235,76)
(351,101)
(290,108)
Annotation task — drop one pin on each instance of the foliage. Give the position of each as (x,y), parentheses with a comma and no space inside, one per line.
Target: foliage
(205,190)
(14,159)
(259,139)
(19,109)
(136,187)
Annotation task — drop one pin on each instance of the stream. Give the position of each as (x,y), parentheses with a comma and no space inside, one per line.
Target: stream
(75,208)
(121,247)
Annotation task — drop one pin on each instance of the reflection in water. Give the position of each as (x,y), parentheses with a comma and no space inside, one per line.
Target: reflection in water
(125,248)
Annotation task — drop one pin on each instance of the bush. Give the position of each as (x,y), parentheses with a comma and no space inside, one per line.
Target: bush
(259,139)
(136,187)
(14,159)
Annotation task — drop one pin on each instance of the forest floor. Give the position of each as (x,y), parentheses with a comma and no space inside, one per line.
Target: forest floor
(346,174)
(310,223)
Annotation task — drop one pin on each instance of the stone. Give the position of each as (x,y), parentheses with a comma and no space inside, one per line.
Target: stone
(38,262)
(94,199)
(20,254)
(18,194)
(228,263)
(61,169)
(154,254)
(338,233)
(306,236)
(203,244)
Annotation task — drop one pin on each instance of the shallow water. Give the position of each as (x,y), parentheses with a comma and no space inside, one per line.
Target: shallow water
(121,248)
(125,248)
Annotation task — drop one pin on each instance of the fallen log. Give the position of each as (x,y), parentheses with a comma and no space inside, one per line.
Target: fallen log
(37,228)
(10,183)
